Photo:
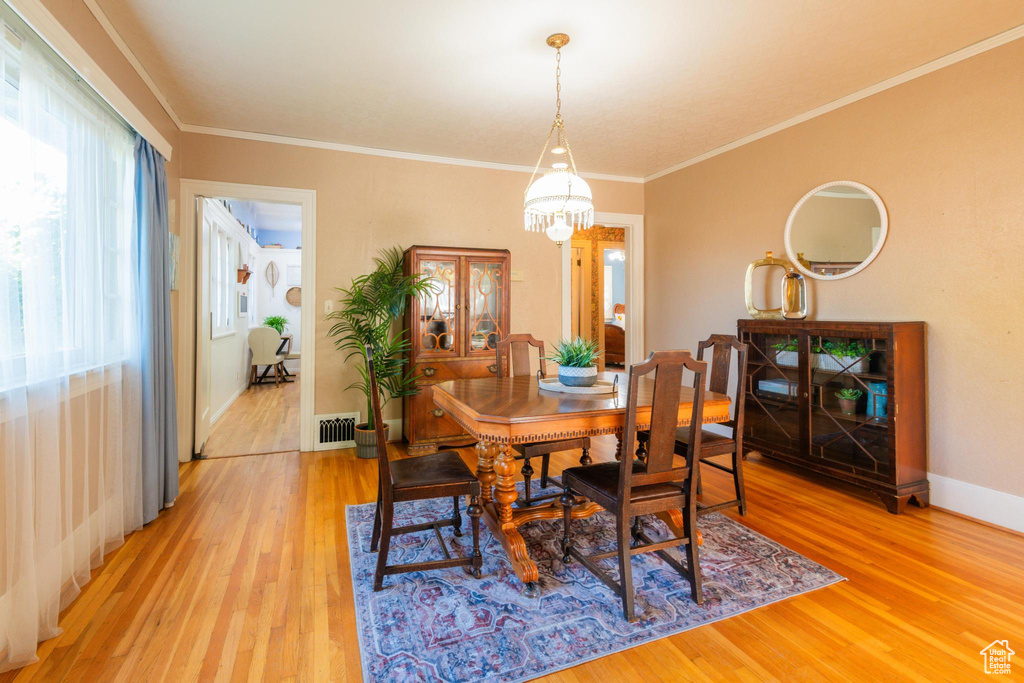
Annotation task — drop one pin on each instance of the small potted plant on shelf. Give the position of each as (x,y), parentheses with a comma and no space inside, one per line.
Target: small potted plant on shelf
(370,306)
(278,322)
(842,355)
(848,400)
(787,352)
(577,361)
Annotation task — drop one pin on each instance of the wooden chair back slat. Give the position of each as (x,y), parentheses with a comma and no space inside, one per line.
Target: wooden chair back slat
(659,467)
(513,355)
(383,464)
(721,361)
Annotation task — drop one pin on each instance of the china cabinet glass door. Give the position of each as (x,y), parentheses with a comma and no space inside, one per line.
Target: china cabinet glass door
(849,417)
(485,296)
(773,390)
(439,308)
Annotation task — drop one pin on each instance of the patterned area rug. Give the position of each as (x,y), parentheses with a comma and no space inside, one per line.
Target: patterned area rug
(445,625)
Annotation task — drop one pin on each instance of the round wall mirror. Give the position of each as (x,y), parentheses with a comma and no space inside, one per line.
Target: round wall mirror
(836,230)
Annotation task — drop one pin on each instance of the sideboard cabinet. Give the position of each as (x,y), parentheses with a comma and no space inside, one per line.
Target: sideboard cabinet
(876,437)
(454,329)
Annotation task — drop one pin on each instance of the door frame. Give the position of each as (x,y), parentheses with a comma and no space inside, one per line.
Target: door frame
(190,190)
(583,284)
(634,226)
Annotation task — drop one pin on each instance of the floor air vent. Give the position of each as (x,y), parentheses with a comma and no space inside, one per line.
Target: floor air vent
(335,431)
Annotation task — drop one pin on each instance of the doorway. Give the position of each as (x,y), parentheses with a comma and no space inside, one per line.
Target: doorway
(251,320)
(602,288)
(248,293)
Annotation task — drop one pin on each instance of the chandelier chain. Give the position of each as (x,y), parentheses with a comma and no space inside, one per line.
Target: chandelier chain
(558,84)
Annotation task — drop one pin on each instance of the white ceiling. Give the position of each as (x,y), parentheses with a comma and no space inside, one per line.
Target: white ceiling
(646,85)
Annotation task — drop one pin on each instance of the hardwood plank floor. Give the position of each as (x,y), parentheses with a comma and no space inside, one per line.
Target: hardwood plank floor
(247,577)
(263,419)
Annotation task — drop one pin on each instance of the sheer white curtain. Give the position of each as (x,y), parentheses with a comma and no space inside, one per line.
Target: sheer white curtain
(70,486)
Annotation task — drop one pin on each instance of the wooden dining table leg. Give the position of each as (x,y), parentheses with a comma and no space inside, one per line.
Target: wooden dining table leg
(498,515)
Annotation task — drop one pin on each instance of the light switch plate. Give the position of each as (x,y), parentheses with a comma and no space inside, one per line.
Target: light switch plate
(517,276)
(328,307)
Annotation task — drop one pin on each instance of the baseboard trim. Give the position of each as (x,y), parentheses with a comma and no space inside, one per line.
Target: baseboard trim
(395,429)
(224,408)
(991,507)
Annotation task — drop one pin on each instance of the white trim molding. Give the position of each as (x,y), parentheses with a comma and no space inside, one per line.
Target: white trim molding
(62,42)
(971,500)
(116,38)
(373,151)
(190,190)
(927,68)
(634,225)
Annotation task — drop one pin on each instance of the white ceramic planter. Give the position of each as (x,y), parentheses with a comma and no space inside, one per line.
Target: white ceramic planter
(836,364)
(577,377)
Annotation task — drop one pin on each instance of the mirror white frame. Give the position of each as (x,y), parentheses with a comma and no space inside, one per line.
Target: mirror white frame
(883,215)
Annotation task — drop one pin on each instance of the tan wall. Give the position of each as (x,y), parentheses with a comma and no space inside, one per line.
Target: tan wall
(366,203)
(946,154)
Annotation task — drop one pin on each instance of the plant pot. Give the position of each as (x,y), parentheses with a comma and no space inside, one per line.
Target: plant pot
(577,377)
(851,364)
(366,441)
(848,406)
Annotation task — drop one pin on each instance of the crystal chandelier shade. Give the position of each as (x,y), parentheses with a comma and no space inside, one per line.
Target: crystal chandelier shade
(560,201)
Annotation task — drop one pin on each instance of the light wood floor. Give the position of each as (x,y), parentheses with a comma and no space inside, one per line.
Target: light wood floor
(264,419)
(247,576)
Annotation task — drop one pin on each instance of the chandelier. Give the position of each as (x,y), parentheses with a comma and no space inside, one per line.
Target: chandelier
(559,202)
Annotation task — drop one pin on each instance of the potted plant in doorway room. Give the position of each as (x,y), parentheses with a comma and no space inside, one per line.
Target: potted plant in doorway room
(370,306)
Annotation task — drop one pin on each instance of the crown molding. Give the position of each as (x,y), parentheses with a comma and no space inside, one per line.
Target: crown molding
(373,151)
(116,38)
(927,68)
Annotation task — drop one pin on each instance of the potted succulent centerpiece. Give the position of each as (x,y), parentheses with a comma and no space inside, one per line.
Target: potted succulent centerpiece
(577,361)
(370,307)
(848,400)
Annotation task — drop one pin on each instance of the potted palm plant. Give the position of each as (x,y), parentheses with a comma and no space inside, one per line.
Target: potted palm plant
(577,361)
(370,306)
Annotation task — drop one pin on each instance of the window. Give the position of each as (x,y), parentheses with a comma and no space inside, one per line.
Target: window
(67,241)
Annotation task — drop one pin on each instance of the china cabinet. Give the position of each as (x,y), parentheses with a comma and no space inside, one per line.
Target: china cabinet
(454,330)
(797,372)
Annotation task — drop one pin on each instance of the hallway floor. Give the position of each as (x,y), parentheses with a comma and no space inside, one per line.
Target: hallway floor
(264,419)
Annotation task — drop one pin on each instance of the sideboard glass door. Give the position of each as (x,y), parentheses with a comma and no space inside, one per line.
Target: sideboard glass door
(849,417)
(773,391)
(438,308)
(485,300)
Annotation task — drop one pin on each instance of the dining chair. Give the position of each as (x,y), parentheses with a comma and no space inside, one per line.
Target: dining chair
(264,343)
(438,475)
(513,360)
(631,488)
(714,445)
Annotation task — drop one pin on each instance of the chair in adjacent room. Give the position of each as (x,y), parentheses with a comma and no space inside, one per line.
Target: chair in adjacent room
(632,488)
(714,445)
(264,343)
(513,360)
(439,475)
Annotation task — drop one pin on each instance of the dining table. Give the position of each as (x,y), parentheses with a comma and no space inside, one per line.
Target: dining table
(502,411)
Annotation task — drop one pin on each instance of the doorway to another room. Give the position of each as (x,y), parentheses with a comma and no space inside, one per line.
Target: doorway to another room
(598,306)
(249,331)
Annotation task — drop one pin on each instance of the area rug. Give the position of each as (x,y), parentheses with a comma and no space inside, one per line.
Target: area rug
(444,625)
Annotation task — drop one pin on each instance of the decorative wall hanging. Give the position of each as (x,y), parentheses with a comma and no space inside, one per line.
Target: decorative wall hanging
(294,296)
(273,274)
(560,201)
(794,291)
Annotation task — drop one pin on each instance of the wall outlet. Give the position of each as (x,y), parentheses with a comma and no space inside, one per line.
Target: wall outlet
(328,307)
(517,275)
